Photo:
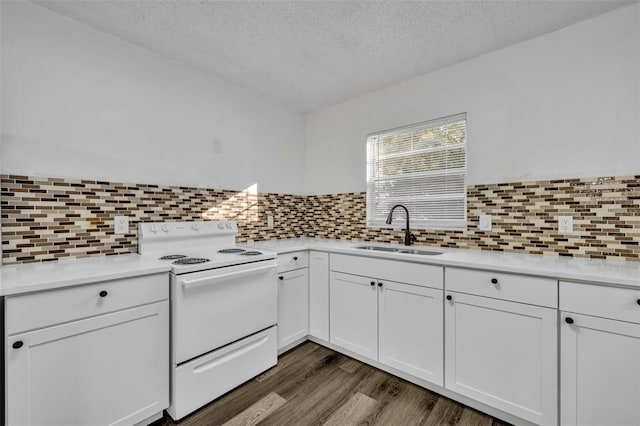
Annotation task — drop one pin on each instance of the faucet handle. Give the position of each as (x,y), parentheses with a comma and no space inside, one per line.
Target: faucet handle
(413,238)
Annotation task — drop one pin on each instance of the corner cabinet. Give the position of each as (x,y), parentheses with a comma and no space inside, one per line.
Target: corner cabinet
(293,299)
(501,342)
(600,356)
(390,312)
(95,354)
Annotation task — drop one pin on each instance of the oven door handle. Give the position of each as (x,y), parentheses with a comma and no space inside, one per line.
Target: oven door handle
(212,280)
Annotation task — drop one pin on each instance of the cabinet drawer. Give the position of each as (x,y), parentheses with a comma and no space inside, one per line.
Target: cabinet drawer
(608,302)
(392,270)
(33,311)
(517,288)
(204,379)
(294,260)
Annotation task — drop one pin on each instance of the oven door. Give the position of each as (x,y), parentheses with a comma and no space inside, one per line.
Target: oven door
(219,306)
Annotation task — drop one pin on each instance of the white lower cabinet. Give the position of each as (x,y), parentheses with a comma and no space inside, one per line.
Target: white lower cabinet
(396,324)
(354,314)
(503,354)
(319,295)
(600,372)
(293,306)
(109,369)
(600,357)
(410,330)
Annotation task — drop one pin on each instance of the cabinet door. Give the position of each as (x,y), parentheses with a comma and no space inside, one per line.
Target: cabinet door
(411,329)
(503,354)
(353,314)
(319,295)
(293,306)
(600,367)
(111,369)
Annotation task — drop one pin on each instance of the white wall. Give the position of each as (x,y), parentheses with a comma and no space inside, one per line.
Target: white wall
(81,104)
(565,104)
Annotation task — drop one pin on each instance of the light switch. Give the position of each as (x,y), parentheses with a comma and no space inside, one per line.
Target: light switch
(485,223)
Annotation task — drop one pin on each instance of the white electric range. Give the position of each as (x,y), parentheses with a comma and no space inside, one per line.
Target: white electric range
(223,308)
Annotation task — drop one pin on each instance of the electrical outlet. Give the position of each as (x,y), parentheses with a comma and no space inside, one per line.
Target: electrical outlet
(270,221)
(121,225)
(565,224)
(485,223)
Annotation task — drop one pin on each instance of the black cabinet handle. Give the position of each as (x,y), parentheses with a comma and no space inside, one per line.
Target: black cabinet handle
(295,258)
(494,281)
(568,320)
(103,293)
(17,345)
(281,278)
(379,284)
(638,301)
(372,283)
(449,297)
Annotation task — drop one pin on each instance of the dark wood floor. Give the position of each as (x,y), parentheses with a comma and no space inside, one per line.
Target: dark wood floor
(313,385)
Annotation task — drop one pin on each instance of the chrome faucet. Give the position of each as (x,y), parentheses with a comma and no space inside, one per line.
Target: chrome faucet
(409,238)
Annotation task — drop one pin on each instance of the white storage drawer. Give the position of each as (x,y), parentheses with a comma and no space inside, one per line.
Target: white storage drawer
(47,308)
(391,270)
(498,285)
(293,260)
(608,302)
(206,378)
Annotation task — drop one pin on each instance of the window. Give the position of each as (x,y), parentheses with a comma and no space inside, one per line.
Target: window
(424,167)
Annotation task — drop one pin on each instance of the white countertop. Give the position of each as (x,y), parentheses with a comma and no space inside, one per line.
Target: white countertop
(29,277)
(564,268)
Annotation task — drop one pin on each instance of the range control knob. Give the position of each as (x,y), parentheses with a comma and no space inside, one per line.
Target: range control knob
(195,227)
(153,228)
(228,225)
(165,228)
(221,225)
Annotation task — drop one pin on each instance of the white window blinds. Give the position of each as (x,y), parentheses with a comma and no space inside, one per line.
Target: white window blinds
(424,167)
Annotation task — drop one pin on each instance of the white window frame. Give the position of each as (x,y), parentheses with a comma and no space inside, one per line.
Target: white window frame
(454,218)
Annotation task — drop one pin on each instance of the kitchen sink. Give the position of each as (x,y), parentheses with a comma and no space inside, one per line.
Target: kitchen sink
(422,252)
(398,250)
(378,248)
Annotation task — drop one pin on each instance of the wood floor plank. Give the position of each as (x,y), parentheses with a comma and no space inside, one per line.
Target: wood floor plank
(319,398)
(444,412)
(348,364)
(353,412)
(258,411)
(406,404)
(288,359)
(471,417)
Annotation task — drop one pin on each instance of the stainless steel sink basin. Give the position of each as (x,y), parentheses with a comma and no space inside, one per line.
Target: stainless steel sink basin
(422,252)
(378,248)
(397,250)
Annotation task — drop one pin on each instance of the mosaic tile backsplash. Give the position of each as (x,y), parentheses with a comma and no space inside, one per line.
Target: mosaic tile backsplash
(44,219)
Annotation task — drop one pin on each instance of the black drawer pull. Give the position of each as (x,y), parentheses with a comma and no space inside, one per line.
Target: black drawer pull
(103,293)
(494,281)
(281,278)
(568,320)
(379,284)
(295,258)
(449,297)
(638,301)
(17,345)
(372,283)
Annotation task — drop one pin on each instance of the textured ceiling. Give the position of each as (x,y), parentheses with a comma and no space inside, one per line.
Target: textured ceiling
(312,54)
